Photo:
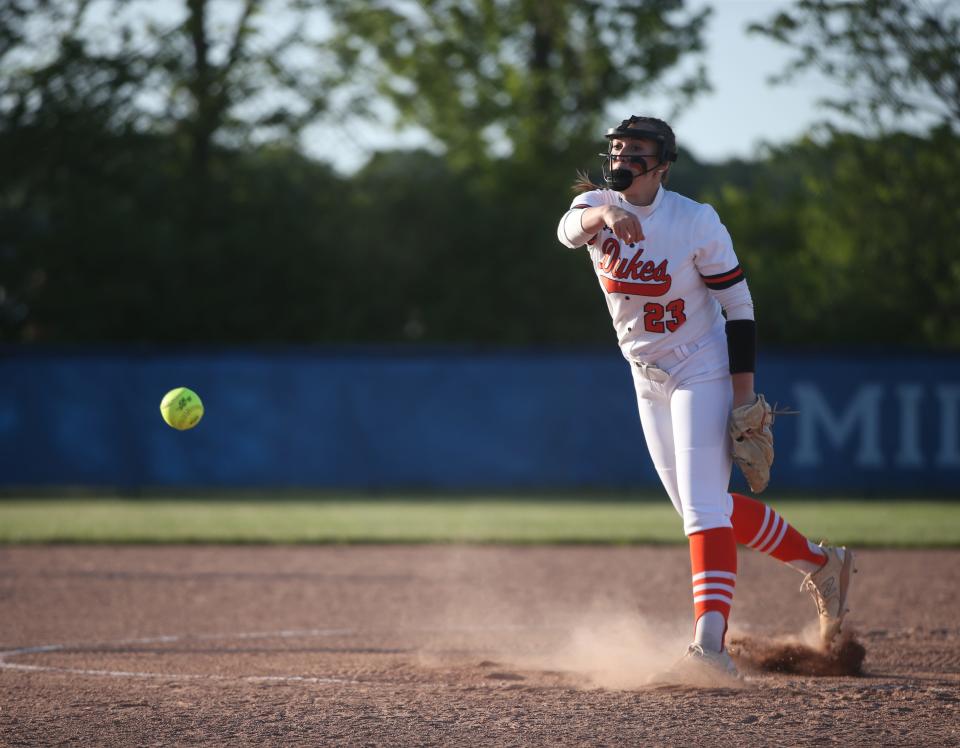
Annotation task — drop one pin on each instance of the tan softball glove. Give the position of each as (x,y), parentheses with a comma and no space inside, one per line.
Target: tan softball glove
(753,442)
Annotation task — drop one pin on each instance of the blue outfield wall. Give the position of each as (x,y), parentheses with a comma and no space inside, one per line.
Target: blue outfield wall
(415,418)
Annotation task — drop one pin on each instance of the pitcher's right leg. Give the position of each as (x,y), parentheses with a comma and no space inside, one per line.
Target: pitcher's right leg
(760,527)
(828,568)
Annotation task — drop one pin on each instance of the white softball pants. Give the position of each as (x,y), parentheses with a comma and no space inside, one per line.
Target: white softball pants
(684,422)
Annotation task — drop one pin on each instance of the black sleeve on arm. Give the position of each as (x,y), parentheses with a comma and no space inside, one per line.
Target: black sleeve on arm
(742,345)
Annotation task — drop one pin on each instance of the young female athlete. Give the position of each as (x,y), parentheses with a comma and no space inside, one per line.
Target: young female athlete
(684,318)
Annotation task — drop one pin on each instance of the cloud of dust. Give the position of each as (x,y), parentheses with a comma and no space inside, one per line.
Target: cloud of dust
(514,615)
(491,616)
(614,650)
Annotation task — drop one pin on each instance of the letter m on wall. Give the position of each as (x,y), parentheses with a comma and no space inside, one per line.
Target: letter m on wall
(822,427)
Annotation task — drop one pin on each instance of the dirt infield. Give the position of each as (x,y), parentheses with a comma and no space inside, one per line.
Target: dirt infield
(435,645)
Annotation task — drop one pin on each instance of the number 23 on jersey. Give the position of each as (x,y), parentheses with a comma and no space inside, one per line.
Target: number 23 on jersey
(654,313)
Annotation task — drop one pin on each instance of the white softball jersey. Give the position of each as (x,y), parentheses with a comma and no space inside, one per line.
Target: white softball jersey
(666,295)
(665,291)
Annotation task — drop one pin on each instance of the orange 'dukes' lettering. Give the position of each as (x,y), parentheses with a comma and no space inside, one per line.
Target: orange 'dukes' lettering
(656,279)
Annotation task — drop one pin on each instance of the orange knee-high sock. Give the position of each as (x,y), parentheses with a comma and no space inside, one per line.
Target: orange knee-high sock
(713,561)
(758,526)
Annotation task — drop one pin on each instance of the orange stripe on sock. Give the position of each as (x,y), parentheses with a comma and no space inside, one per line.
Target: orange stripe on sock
(757,525)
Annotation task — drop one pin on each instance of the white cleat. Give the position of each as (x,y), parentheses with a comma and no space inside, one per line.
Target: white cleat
(829,586)
(700,667)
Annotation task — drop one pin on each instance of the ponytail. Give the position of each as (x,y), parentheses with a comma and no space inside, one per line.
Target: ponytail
(583,183)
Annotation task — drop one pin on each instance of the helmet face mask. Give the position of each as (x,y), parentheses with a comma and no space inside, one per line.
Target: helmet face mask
(621,178)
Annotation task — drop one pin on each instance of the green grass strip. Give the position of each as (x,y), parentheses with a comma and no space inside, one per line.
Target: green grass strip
(465,520)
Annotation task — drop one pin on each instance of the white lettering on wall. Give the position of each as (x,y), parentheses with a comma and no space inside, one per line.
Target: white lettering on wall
(819,425)
(948,397)
(909,453)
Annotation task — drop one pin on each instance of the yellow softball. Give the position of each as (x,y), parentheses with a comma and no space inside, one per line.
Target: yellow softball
(181,408)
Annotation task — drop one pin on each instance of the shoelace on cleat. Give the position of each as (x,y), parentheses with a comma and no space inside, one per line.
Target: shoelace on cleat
(808,585)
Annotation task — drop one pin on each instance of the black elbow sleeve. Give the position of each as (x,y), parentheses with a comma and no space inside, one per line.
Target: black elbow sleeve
(742,345)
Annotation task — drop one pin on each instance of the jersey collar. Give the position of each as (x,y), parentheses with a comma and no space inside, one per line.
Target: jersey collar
(646,210)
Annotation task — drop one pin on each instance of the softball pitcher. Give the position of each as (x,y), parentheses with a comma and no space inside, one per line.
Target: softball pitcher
(684,320)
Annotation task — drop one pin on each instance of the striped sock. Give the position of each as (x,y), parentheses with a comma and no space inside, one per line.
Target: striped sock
(713,562)
(758,526)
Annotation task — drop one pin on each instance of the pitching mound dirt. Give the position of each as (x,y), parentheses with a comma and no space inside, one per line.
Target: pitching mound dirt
(436,646)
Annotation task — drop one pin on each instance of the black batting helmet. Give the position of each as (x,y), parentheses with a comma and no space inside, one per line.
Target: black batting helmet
(637,128)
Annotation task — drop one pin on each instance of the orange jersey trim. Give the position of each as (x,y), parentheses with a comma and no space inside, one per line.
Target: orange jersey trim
(724,280)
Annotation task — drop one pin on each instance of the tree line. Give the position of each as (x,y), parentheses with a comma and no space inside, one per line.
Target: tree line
(155,187)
